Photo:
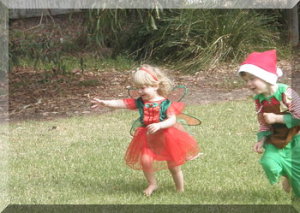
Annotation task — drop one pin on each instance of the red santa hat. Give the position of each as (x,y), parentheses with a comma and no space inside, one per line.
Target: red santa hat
(262,65)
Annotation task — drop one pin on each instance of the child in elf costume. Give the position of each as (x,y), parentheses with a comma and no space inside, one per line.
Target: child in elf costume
(278,114)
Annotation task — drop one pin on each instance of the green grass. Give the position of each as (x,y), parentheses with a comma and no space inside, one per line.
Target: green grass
(79,160)
(4,176)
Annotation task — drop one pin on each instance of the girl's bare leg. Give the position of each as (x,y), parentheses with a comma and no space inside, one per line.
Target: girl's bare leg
(149,174)
(177,177)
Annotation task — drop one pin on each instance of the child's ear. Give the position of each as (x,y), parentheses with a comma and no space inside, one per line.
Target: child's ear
(242,74)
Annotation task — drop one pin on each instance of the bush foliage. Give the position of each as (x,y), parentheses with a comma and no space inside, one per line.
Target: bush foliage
(187,39)
(190,39)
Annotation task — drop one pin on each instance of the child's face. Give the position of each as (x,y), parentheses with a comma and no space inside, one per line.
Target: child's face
(256,85)
(148,92)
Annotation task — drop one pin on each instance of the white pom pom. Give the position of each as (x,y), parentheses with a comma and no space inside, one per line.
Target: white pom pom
(279,72)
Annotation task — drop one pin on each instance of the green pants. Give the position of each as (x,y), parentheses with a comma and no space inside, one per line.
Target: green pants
(283,162)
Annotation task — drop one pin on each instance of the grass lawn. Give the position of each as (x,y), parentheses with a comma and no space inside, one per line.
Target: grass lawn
(79,160)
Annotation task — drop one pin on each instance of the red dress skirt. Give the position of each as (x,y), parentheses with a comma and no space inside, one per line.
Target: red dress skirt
(165,148)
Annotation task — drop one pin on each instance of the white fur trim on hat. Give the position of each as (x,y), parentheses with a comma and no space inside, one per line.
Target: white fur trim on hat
(279,72)
(260,73)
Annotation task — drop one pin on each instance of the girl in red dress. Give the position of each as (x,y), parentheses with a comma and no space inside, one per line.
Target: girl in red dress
(159,142)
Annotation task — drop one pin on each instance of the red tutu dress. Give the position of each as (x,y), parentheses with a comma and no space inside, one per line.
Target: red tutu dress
(167,147)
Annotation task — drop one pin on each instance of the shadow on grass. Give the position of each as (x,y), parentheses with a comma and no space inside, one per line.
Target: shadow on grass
(136,187)
(131,191)
(255,196)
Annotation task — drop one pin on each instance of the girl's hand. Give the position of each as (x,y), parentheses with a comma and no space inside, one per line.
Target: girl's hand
(152,128)
(258,147)
(272,118)
(98,102)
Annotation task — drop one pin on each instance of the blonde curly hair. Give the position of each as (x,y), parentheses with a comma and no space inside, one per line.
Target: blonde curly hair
(148,75)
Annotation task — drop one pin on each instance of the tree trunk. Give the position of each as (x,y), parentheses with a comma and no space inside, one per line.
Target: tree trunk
(293,25)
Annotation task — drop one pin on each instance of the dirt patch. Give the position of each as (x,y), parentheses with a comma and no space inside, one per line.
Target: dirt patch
(46,95)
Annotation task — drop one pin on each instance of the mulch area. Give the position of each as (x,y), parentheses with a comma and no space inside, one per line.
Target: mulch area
(43,95)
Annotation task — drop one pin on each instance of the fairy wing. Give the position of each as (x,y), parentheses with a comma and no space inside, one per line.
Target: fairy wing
(176,95)
(133,93)
(186,119)
(137,123)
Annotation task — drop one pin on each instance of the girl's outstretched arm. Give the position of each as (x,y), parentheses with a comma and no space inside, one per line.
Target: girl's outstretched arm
(108,103)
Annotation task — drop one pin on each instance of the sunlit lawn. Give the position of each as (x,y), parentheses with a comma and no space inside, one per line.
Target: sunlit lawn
(79,160)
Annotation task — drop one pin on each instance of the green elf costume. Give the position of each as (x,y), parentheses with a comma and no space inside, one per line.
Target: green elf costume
(282,141)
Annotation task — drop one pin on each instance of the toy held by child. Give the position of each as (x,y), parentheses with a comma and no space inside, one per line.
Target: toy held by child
(160,142)
(278,114)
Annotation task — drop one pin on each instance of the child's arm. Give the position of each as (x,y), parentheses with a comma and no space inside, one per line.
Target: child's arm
(263,126)
(264,129)
(258,147)
(170,121)
(292,100)
(272,118)
(109,103)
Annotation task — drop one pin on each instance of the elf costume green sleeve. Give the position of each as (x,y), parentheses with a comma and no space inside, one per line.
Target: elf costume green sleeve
(290,121)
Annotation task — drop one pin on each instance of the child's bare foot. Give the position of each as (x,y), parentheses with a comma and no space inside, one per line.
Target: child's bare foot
(195,157)
(179,190)
(286,185)
(150,189)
